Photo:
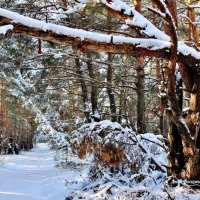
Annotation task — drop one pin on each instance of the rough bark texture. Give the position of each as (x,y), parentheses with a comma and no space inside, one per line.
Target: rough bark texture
(83,89)
(140,84)
(192,27)
(94,90)
(162,117)
(176,155)
(111,96)
(140,95)
(192,119)
(184,158)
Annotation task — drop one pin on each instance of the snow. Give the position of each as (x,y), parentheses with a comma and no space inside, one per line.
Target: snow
(152,44)
(76,8)
(147,28)
(32,175)
(138,20)
(96,114)
(183,122)
(27,21)
(117,136)
(162,40)
(186,50)
(4,29)
(178,74)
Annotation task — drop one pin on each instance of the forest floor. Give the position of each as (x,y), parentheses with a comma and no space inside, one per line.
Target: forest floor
(33,176)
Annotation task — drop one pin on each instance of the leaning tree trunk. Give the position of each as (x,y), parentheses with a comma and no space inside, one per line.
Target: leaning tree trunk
(169,93)
(184,134)
(191,168)
(192,155)
(173,106)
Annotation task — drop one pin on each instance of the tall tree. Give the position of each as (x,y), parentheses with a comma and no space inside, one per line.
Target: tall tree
(140,84)
(94,89)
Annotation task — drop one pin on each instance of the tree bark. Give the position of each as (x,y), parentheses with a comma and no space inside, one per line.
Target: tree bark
(140,84)
(84,91)
(140,95)
(94,90)
(111,96)
(172,105)
(192,27)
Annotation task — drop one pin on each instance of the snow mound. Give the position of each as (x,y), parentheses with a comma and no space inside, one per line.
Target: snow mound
(114,145)
(125,165)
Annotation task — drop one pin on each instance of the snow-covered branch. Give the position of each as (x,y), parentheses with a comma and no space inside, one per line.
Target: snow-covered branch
(159,47)
(5,29)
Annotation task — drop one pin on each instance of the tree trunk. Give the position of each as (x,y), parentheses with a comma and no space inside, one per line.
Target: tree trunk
(192,27)
(84,94)
(171,102)
(184,157)
(140,85)
(94,90)
(140,95)
(110,91)
(7,114)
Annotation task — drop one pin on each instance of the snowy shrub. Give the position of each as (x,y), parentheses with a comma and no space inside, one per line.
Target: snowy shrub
(103,139)
(125,165)
(115,146)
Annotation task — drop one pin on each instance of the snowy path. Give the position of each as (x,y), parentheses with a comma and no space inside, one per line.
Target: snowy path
(32,176)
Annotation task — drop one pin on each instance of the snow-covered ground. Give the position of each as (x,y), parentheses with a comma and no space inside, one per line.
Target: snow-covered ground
(33,176)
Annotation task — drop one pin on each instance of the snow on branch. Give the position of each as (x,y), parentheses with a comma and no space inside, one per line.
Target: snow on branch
(80,5)
(135,19)
(152,44)
(159,47)
(5,29)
